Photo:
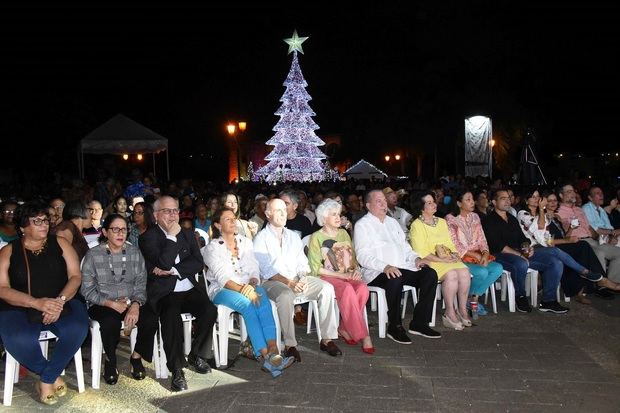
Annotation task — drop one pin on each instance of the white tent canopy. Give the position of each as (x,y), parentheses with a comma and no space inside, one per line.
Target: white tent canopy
(364,170)
(121,135)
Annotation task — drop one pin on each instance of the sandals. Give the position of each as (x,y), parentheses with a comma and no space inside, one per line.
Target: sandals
(49,399)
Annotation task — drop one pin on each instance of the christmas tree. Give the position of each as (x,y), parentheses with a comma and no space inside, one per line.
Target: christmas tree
(295,156)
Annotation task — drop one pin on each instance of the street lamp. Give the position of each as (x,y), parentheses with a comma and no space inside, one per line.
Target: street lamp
(231,128)
(397,157)
(491,145)
(387,158)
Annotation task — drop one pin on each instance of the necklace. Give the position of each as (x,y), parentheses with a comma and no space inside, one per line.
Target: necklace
(124,260)
(40,250)
(432,224)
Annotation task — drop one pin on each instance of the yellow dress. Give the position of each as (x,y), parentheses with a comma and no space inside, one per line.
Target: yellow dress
(425,237)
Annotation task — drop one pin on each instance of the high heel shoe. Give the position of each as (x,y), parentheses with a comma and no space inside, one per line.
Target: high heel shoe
(466,322)
(451,324)
(137,369)
(349,341)
(49,399)
(61,390)
(368,350)
(110,373)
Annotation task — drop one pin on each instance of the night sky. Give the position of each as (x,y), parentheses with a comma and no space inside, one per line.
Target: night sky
(382,77)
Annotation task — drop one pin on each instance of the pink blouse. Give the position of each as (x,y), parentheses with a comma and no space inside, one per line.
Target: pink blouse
(466,233)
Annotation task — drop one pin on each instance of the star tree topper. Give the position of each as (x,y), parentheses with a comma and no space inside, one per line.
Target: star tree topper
(294,43)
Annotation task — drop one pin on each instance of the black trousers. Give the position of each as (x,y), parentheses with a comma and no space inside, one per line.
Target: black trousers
(171,308)
(425,279)
(583,253)
(110,327)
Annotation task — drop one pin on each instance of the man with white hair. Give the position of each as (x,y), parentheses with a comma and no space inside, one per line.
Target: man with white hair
(388,261)
(283,267)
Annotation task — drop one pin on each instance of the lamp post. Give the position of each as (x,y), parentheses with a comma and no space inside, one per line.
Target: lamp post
(231,128)
(491,145)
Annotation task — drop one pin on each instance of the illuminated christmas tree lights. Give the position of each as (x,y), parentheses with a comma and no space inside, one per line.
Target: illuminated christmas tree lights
(295,156)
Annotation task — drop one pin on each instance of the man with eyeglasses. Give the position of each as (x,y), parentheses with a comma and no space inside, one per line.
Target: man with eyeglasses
(173,258)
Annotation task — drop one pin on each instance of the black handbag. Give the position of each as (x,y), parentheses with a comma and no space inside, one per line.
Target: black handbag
(35,316)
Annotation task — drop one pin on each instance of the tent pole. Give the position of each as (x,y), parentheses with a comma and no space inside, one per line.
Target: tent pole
(167,165)
(154,172)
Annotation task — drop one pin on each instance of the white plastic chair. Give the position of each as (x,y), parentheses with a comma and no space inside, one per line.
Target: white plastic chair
(96,350)
(11,369)
(313,307)
(161,368)
(224,329)
(508,289)
(378,303)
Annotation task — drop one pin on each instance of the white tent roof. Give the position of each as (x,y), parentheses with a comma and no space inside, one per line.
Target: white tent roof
(364,170)
(122,135)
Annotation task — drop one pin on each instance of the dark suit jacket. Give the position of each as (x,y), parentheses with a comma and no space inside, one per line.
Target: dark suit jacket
(161,252)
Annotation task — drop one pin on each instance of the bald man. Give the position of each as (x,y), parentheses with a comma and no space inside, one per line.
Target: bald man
(283,269)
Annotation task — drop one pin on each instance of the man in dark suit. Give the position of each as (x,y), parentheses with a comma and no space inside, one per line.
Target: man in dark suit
(172,259)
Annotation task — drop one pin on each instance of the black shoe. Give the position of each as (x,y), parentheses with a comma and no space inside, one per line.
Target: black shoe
(523,306)
(178,380)
(604,293)
(424,331)
(552,307)
(592,276)
(397,333)
(198,364)
(110,374)
(293,352)
(137,369)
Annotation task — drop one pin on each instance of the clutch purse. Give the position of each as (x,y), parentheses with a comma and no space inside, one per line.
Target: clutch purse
(442,251)
(472,260)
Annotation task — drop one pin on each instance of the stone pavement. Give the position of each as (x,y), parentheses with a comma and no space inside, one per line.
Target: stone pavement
(509,362)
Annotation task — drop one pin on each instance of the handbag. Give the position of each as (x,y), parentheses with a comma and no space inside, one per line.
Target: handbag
(35,316)
(472,260)
(442,251)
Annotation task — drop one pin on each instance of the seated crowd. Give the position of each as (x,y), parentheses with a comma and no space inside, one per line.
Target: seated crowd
(146,259)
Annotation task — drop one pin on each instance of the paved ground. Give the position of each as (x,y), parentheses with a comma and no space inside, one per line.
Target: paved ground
(508,362)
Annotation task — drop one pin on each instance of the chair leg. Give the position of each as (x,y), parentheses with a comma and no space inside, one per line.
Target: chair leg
(187,337)
(223,322)
(382,312)
(96,349)
(276,319)
(10,370)
(79,370)
(216,348)
(404,300)
(510,287)
(493,298)
(163,365)
(315,304)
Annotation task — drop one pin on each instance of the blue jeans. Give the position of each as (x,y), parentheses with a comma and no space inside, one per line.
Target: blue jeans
(566,259)
(517,267)
(483,277)
(21,339)
(258,319)
(548,262)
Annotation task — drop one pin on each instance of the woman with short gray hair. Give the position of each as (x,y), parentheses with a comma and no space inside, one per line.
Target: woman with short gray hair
(331,256)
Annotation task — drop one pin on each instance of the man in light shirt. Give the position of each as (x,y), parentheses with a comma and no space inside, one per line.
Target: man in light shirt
(388,261)
(173,258)
(573,217)
(597,215)
(393,210)
(283,267)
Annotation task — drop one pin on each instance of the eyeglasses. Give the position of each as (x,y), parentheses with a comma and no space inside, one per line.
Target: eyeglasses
(94,210)
(116,230)
(62,206)
(40,221)
(169,211)
(9,211)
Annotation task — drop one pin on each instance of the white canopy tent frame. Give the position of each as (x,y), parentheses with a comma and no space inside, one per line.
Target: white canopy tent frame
(121,135)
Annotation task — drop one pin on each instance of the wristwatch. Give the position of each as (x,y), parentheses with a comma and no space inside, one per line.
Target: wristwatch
(63,298)
(128,302)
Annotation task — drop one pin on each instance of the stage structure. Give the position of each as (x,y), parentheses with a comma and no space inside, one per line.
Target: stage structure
(478,149)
